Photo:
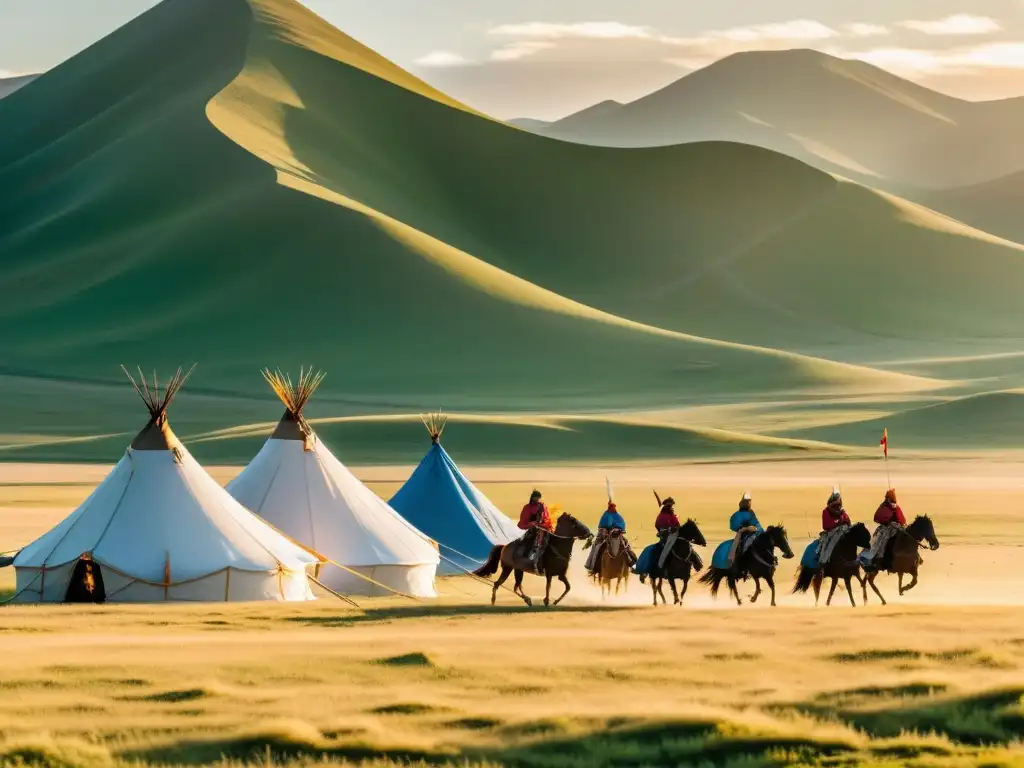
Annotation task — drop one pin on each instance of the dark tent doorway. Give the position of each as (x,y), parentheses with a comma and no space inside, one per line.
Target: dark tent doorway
(86,584)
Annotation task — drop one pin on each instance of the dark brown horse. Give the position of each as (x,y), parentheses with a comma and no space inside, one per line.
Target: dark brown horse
(842,565)
(758,562)
(554,561)
(680,563)
(902,555)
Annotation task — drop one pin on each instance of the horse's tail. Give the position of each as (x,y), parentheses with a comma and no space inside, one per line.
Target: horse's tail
(713,578)
(804,579)
(493,561)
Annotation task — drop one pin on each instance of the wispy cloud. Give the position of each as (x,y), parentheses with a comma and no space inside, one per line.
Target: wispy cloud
(591,40)
(520,50)
(958,24)
(967,60)
(790,31)
(597,30)
(862,29)
(442,59)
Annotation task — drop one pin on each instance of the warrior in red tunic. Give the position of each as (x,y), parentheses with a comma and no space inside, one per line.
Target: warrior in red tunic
(536,521)
(890,521)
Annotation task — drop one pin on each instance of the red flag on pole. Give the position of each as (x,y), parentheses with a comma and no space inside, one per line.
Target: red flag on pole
(884,442)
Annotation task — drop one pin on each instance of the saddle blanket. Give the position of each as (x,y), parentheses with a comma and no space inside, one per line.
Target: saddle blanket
(645,561)
(880,544)
(720,559)
(810,558)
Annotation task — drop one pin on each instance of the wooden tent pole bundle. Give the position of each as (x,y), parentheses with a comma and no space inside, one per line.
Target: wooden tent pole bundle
(156,402)
(435,424)
(294,396)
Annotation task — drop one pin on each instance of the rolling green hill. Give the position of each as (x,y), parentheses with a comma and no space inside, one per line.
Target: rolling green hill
(285,196)
(847,117)
(985,422)
(995,206)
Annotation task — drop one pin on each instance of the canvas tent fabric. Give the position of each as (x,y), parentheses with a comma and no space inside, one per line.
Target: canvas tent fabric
(438,500)
(298,486)
(161,529)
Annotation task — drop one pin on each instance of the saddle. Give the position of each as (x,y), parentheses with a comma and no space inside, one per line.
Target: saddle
(520,550)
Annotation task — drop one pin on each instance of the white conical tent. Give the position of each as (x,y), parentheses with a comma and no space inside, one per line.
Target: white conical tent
(297,485)
(160,528)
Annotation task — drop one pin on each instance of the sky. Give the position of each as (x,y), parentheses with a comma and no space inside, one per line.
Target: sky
(547,58)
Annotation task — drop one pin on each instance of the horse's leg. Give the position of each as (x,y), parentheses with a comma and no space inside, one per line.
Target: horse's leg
(849,590)
(731,580)
(757,589)
(654,591)
(899,581)
(913,581)
(561,578)
(675,592)
(770,578)
(832,591)
(863,585)
(870,578)
(817,587)
(519,588)
(505,573)
(686,585)
(547,591)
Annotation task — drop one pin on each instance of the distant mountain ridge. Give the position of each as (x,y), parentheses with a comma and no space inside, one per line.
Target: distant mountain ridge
(843,116)
(11,84)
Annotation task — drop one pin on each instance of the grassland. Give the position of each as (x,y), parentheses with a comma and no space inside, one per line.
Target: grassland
(934,679)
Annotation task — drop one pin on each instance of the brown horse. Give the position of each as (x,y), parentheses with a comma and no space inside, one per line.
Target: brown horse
(902,554)
(842,565)
(680,563)
(614,564)
(758,562)
(554,562)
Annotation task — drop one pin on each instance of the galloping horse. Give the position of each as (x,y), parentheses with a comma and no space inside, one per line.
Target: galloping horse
(842,565)
(678,564)
(614,564)
(554,561)
(903,556)
(757,561)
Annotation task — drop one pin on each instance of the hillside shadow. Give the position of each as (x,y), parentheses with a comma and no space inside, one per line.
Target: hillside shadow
(400,613)
(992,717)
(683,742)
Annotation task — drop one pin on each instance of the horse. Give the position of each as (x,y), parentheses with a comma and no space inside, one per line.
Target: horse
(678,564)
(757,561)
(842,565)
(554,561)
(614,564)
(903,554)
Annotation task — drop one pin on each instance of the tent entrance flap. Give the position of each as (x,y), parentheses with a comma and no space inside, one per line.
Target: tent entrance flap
(86,584)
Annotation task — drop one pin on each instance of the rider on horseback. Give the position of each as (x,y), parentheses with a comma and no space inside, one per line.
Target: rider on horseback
(746,526)
(536,521)
(610,523)
(891,521)
(834,525)
(667,527)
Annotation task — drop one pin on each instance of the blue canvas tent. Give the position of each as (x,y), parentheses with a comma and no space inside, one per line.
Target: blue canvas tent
(439,501)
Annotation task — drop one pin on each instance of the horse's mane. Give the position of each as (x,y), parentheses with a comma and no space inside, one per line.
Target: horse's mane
(780,528)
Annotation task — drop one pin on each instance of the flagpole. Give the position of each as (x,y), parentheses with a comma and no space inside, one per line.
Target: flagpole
(885,454)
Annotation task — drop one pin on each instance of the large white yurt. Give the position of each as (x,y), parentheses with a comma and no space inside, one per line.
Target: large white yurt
(297,485)
(159,528)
